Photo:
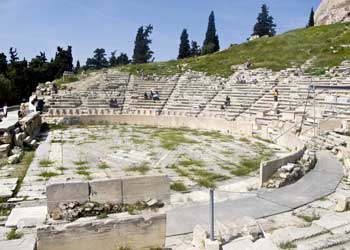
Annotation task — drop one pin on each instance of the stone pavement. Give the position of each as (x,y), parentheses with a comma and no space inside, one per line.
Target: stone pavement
(9,121)
(320,182)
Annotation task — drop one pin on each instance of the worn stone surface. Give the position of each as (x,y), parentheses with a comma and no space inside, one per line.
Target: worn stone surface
(4,150)
(28,242)
(290,234)
(26,217)
(135,232)
(146,187)
(103,191)
(332,11)
(200,234)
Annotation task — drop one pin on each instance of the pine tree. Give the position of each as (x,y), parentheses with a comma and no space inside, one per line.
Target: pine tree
(211,42)
(265,25)
(98,61)
(13,55)
(311,19)
(185,49)
(195,49)
(3,63)
(142,51)
(113,60)
(123,59)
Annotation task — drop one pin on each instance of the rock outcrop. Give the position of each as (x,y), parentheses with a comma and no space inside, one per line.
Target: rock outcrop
(332,11)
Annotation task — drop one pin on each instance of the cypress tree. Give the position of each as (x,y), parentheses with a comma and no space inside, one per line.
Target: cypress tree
(211,42)
(142,51)
(311,18)
(265,25)
(185,49)
(77,67)
(13,55)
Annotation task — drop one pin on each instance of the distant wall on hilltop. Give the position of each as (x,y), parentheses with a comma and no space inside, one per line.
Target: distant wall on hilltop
(332,11)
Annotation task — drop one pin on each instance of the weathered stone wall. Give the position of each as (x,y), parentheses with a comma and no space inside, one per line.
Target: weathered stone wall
(134,232)
(123,190)
(268,168)
(332,11)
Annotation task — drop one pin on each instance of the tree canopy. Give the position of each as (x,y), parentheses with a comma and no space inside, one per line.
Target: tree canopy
(265,25)
(211,41)
(184,49)
(142,51)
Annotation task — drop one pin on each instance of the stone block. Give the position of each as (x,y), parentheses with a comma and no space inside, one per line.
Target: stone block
(4,150)
(143,188)
(26,217)
(123,230)
(343,202)
(19,139)
(200,234)
(212,245)
(65,192)
(103,191)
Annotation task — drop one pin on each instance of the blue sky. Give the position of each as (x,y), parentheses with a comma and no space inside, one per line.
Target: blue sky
(42,25)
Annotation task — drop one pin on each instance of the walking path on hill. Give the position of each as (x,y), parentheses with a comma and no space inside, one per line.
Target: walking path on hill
(321,181)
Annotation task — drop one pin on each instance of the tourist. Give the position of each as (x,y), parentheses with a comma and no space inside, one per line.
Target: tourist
(275,94)
(222,107)
(156,96)
(33,100)
(4,109)
(228,101)
(145,95)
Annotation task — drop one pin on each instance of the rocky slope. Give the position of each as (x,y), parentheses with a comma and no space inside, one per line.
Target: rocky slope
(332,11)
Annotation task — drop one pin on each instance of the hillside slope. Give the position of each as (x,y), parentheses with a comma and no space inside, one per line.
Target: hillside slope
(327,45)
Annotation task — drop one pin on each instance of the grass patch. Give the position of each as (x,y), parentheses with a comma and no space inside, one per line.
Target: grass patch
(48,174)
(138,141)
(13,235)
(80,163)
(190,162)
(143,168)
(246,166)
(58,141)
(207,179)
(45,163)
(178,186)
(61,169)
(103,165)
(215,135)
(244,140)
(170,139)
(310,218)
(288,245)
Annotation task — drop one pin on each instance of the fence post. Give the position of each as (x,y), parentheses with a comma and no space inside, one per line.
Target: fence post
(211,214)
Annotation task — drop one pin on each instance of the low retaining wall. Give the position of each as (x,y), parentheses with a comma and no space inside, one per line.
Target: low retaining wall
(169,121)
(132,232)
(124,190)
(268,168)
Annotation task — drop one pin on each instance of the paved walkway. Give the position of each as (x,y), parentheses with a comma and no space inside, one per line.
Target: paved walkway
(320,182)
(9,121)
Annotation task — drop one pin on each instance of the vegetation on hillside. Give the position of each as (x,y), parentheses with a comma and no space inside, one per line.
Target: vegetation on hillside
(325,44)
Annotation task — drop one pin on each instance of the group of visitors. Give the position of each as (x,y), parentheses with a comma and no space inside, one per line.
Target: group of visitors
(113,103)
(227,103)
(35,104)
(152,95)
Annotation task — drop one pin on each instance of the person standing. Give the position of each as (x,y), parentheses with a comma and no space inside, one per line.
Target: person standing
(275,94)
(5,109)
